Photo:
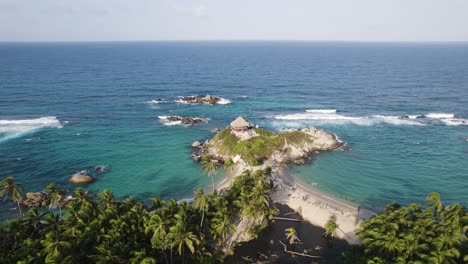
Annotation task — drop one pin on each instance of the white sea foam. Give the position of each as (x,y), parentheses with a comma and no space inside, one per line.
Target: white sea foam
(454,121)
(333,118)
(16,128)
(396,120)
(323,111)
(180,101)
(166,122)
(223,101)
(414,116)
(154,101)
(439,115)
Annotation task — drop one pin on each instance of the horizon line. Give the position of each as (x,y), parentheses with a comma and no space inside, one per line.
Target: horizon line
(241,40)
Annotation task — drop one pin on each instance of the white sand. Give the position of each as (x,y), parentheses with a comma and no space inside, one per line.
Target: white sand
(313,205)
(317,208)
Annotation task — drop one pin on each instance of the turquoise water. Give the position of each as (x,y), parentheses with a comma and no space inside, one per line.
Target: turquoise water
(94,101)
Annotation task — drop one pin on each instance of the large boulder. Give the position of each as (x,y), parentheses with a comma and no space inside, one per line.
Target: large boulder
(80,178)
(196,144)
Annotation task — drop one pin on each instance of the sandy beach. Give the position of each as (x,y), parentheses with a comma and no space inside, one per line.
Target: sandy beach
(314,206)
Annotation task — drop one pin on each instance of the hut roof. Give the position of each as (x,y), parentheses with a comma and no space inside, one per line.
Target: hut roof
(240,122)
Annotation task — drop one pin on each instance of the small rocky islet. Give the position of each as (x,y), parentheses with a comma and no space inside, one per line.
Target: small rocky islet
(178,120)
(199,99)
(254,145)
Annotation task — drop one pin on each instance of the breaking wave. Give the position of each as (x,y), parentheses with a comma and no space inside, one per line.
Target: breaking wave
(16,128)
(329,116)
(165,120)
(440,115)
(322,111)
(448,119)
(223,101)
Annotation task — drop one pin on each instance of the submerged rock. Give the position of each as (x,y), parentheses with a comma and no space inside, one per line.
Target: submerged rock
(81,178)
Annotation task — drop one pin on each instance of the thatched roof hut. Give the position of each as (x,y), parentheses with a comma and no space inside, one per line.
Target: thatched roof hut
(239,124)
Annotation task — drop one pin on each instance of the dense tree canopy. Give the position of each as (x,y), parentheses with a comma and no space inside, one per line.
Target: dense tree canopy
(412,234)
(104,229)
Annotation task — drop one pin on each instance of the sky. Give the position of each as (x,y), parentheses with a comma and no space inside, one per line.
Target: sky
(313,20)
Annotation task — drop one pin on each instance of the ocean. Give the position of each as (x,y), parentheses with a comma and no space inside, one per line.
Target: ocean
(401,107)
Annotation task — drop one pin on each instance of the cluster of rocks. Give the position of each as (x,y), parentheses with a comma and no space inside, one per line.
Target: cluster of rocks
(186,120)
(200,149)
(38,199)
(200,99)
(300,154)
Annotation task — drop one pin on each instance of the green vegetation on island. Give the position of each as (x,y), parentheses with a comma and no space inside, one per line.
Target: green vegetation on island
(256,149)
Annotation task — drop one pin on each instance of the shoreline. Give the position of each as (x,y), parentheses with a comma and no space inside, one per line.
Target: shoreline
(314,205)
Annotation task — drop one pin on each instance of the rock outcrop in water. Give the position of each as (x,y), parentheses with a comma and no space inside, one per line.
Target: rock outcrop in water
(81,178)
(39,199)
(178,120)
(199,99)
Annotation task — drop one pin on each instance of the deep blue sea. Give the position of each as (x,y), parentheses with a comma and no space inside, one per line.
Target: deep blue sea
(403,109)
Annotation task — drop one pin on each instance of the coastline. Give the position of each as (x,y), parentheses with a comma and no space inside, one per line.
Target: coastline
(314,205)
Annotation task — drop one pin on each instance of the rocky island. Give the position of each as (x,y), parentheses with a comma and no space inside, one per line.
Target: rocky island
(248,149)
(202,99)
(254,146)
(178,120)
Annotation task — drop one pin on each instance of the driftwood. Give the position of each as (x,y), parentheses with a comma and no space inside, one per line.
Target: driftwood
(263,255)
(287,219)
(289,213)
(297,253)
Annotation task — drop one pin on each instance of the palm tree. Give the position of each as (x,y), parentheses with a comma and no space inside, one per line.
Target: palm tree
(82,198)
(54,247)
(291,235)
(435,203)
(222,225)
(11,190)
(330,228)
(209,167)
(106,198)
(187,238)
(228,164)
(200,202)
(34,217)
(54,197)
(156,202)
